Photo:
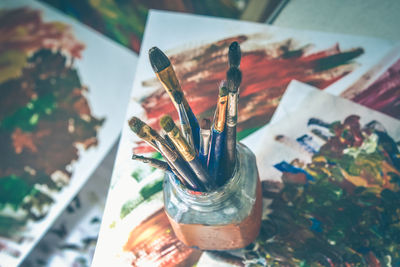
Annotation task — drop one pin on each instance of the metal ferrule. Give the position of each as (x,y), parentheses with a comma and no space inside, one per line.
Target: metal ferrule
(168,79)
(185,125)
(158,143)
(232,110)
(145,134)
(181,145)
(204,141)
(171,84)
(220,115)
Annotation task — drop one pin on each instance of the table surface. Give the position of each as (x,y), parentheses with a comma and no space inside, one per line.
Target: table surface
(362,17)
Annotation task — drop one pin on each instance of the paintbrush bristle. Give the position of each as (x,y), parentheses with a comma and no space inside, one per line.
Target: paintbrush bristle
(167,123)
(205,124)
(234,77)
(136,125)
(177,97)
(158,60)
(223,89)
(234,55)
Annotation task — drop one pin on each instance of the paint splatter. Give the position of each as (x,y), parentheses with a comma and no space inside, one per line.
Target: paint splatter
(45,117)
(348,215)
(154,243)
(23,32)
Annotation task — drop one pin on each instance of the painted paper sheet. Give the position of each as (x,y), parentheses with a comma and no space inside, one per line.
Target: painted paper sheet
(378,88)
(134,230)
(64,91)
(330,168)
(71,240)
(124,21)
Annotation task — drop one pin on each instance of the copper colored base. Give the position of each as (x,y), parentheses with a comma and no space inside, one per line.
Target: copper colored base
(222,237)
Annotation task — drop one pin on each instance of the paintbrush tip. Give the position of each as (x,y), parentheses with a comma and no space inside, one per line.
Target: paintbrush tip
(205,124)
(223,89)
(234,77)
(167,123)
(136,125)
(234,54)
(158,60)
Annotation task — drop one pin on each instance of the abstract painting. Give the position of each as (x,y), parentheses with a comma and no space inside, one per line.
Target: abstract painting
(124,21)
(266,72)
(331,170)
(55,121)
(271,58)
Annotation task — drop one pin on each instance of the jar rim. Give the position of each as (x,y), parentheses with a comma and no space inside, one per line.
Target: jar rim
(218,194)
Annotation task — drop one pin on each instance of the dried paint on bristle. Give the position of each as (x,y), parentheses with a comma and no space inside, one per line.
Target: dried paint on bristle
(158,60)
(136,124)
(234,55)
(177,97)
(205,124)
(223,90)
(167,123)
(234,77)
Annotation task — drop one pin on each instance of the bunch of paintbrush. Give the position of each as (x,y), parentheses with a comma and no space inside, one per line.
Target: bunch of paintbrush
(202,158)
(222,156)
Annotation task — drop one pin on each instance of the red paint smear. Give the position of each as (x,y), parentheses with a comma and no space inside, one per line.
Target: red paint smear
(265,79)
(384,93)
(23,30)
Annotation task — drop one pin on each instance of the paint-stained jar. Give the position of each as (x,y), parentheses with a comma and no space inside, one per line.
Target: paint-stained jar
(224,219)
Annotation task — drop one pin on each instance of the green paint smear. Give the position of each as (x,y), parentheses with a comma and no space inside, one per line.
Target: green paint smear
(130,205)
(145,194)
(137,175)
(151,189)
(26,118)
(13,190)
(244,133)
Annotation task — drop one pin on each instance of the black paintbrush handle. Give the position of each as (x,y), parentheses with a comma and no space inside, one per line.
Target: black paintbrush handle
(201,173)
(189,175)
(230,157)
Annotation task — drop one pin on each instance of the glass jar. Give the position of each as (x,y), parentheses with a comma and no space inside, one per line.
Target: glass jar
(226,218)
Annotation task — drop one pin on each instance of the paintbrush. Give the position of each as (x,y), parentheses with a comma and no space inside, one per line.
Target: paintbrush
(155,163)
(183,119)
(138,127)
(171,145)
(205,133)
(218,136)
(149,135)
(234,55)
(164,166)
(234,78)
(166,74)
(187,152)
(168,141)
